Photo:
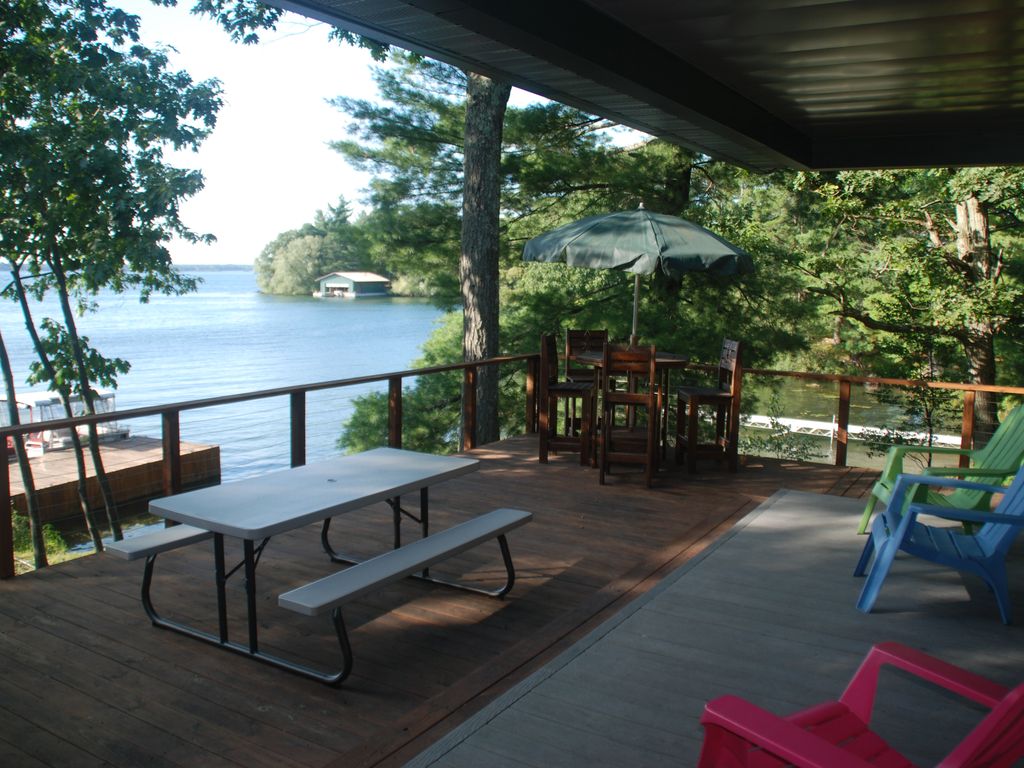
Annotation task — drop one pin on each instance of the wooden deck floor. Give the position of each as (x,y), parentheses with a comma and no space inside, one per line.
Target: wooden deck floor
(85,680)
(767,612)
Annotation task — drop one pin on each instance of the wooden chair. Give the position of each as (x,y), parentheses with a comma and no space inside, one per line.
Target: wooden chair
(983,553)
(996,462)
(837,734)
(629,414)
(577,435)
(577,341)
(724,397)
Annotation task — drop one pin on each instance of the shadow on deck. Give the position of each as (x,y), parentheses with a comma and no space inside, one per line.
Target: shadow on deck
(85,680)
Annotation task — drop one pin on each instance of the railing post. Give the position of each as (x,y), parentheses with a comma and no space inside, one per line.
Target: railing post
(171,429)
(843,422)
(469,409)
(6,525)
(967,426)
(298,428)
(395,412)
(532,368)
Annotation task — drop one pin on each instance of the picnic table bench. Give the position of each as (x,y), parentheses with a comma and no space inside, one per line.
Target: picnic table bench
(332,592)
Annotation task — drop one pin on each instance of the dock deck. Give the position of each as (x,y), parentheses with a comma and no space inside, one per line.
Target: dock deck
(85,679)
(133,467)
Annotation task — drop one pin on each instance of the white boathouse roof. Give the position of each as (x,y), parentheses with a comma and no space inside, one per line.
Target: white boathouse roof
(357,277)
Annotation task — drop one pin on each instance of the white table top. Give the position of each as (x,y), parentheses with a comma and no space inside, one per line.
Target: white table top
(263,506)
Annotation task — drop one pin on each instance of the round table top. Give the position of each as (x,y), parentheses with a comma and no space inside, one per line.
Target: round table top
(661,359)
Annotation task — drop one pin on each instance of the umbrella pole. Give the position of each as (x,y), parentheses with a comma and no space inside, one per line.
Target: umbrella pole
(636,308)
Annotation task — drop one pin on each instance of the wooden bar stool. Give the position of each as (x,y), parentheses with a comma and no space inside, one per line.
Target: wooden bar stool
(724,398)
(578,433)
(577,342)
(633,439)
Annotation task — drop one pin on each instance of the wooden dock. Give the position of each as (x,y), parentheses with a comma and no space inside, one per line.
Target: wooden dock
(86,680)
(133,467)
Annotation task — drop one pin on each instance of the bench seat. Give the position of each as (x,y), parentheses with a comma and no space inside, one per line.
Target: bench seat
(339,588)
(163,540)
(332,592)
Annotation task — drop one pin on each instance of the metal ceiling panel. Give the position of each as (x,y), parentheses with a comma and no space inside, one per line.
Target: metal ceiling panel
(761,83)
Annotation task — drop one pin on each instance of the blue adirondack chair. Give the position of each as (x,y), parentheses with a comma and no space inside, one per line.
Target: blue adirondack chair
(997,461)
(983,553)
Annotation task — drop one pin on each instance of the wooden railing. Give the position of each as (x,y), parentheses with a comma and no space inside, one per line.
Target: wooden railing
(845,386)
(170,418)
(171,431)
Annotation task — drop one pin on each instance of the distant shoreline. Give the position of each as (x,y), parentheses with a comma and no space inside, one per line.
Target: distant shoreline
(5,267)
(213,267)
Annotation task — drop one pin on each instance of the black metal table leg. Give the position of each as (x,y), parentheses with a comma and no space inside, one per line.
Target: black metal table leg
(250,593)
(221,579)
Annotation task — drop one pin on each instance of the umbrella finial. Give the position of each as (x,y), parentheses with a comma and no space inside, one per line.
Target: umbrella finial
(641,206)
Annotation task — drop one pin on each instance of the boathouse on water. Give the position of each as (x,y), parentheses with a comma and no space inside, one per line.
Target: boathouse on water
(351,285)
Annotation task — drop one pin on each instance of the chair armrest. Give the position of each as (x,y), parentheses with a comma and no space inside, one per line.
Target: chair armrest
(975,471)
(904,482)
(761,728)
(894,457)
(964,515)
(859,695)
(897,452)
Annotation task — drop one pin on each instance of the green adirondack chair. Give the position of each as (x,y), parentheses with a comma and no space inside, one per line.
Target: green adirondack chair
(995,463)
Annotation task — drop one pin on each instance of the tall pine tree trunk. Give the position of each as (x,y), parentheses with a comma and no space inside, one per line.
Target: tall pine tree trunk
(486,100)
(974,251)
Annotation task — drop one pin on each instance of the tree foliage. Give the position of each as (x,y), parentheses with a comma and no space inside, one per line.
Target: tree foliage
(858,272)
(291,263)
(88,201)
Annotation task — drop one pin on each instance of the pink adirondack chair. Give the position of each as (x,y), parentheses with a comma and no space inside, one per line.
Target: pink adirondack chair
(836,734)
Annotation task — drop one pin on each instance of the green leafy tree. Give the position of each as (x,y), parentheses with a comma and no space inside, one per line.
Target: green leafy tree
(558,164)
(927,265)
(86,113)
(292,262)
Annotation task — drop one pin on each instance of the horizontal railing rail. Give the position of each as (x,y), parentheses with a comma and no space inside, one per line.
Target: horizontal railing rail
(845,384)
(170,416)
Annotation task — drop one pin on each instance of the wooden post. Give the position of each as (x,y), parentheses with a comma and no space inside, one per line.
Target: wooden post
(6,525)
(532,366)
(967,426)
(843,425)
(395,412)
(172,452)
(298,428)
(469,409)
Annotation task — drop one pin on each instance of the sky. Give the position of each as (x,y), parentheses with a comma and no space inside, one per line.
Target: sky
(267,164)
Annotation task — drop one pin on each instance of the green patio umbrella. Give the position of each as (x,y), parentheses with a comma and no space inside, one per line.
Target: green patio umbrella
(640,242)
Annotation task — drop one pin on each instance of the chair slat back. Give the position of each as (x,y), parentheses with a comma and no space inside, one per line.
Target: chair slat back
(636,365)
(730,367)
(548,359)
(578,341)
(1006,446)
(998,740)
(621,360)
(997,537)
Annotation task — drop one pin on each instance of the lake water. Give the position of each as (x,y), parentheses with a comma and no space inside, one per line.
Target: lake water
(228,338)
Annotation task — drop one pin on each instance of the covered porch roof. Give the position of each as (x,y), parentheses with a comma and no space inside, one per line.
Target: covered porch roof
(812,84)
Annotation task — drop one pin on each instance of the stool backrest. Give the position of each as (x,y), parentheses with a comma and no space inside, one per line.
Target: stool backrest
(577,341)
(730,367)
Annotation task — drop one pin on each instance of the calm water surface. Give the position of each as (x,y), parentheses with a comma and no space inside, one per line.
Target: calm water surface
(227,338)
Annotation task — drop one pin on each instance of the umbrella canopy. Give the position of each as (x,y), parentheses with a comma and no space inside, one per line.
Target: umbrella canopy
(640,242)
